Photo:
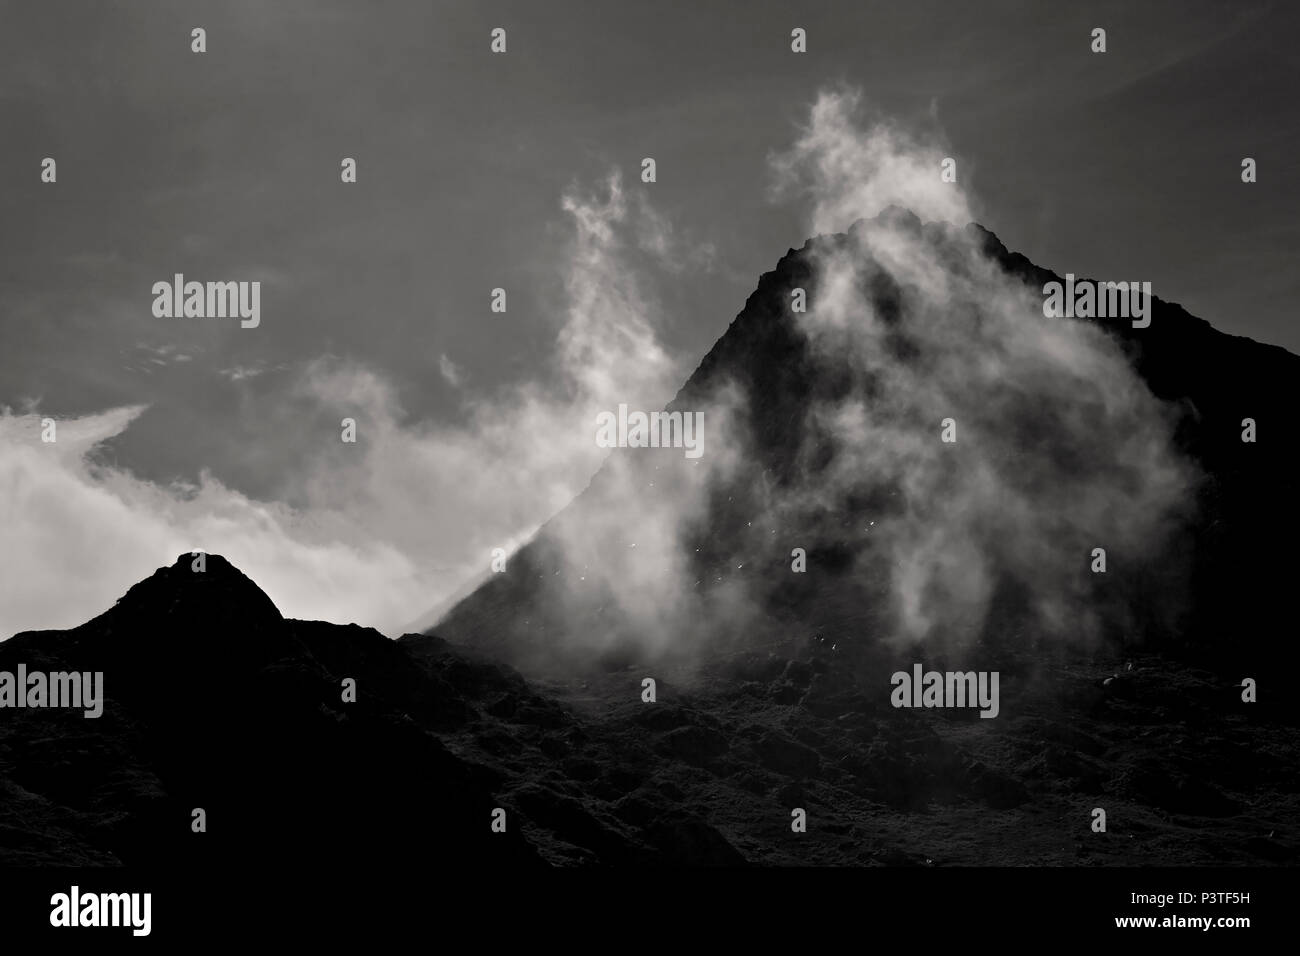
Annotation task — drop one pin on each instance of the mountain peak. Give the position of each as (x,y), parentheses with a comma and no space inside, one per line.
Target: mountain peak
(201,590)
(827,426)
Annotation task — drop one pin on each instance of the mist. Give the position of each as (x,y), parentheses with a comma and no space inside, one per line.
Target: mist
(1057,448)
(385,529)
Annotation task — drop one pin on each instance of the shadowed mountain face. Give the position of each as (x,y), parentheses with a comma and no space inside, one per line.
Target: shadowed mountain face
(823,432)
(214,701)
(1119,690)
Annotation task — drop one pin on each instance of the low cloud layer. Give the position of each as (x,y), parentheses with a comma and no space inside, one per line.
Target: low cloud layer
(79,534)
(386,527)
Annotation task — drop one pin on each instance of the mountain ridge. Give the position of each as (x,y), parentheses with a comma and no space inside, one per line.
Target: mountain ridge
(440,738)
(1208,381)
(215,701)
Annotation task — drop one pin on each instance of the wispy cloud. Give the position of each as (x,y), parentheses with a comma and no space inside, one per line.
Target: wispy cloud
(387,526)
(451,374)
(238,373)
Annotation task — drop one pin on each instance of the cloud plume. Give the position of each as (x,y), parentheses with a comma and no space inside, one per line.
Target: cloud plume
(382,529)
(912,331)
(1059,445)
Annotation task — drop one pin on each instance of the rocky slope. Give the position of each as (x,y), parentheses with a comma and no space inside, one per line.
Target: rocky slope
(214,701)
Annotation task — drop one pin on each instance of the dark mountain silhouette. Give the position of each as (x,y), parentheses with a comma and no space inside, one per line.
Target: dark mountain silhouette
(1216,589)
(214,700)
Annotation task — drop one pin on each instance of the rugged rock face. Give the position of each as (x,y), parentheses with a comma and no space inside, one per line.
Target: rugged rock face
(215,701)
(1214,583)
(257,734)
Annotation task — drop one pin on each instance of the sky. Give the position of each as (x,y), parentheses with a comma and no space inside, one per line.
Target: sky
(520,170)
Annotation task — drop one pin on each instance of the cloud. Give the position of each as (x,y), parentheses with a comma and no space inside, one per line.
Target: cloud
(78,535)
(156,355)
(238,373)
(608,346)
(453,493)
(851,164)
(1060,448)
(385,528)
(1060,445)
(450,373)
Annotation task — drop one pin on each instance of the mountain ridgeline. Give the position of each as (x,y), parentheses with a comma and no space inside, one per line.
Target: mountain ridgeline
(828,537)
(1205,569)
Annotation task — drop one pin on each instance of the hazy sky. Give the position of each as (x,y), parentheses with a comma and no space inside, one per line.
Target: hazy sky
(375,295)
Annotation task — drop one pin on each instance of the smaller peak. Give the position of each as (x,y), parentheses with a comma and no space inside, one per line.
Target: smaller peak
(215,563)
(198,585)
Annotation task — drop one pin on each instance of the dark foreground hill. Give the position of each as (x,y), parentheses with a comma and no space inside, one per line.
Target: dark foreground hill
(214,701)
